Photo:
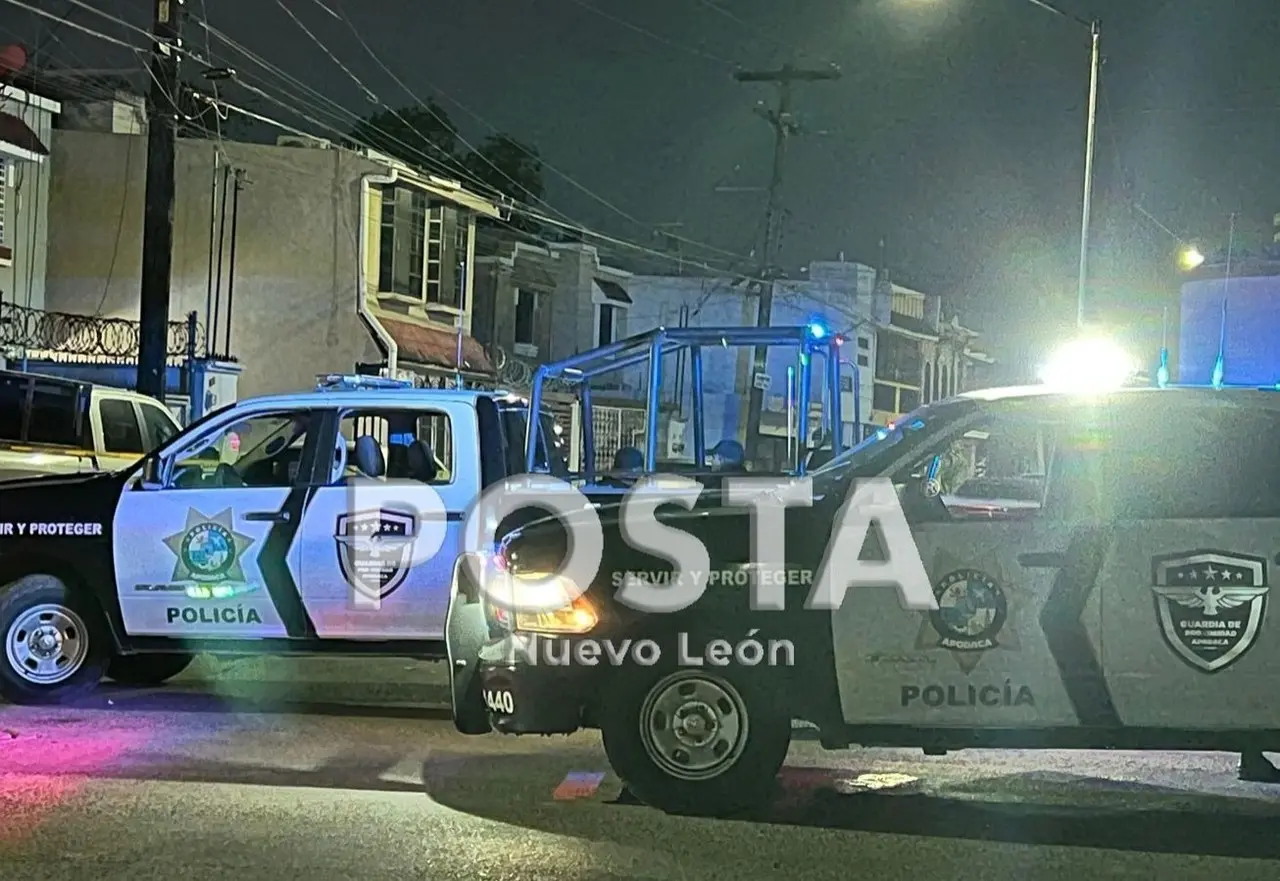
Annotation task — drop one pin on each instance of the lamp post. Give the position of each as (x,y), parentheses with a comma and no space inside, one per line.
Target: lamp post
(1091,127)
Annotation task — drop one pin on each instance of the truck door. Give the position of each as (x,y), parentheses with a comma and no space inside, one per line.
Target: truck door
(208,552)
(1195,491)
(994,510)
(380,537)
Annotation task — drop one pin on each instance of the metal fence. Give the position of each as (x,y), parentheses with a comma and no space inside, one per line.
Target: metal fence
(66,336)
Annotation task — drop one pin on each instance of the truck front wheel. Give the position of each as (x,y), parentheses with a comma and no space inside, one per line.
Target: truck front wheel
(694,741)
(54,644)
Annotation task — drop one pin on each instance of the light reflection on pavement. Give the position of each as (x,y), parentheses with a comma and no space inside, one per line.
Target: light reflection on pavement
(196,781)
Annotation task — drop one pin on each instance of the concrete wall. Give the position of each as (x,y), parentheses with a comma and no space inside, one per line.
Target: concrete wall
(26,212)
(295,274)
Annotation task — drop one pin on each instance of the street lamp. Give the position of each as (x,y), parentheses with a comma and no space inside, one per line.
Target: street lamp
(1095,63)
(1190,258)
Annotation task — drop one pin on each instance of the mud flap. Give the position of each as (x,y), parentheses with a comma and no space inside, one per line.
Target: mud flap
(466,631)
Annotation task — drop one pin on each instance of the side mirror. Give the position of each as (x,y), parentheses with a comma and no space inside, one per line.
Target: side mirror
(152,473)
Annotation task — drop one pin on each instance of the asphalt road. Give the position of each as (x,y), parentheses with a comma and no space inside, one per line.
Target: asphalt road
(280,770)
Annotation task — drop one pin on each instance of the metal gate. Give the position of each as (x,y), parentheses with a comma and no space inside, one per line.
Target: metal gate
(615,428)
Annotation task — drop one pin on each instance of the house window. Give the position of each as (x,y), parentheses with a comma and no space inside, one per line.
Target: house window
(461,238)
(606,323)
(908,400)
(864,342)
(526,307)
(5,252)
(884,398)
(435,260)
(400,249)
(864,361)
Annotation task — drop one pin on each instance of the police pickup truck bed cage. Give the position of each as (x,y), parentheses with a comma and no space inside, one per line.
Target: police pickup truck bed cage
(650,348)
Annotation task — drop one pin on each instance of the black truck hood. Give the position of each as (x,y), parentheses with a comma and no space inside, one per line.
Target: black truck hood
(541,542)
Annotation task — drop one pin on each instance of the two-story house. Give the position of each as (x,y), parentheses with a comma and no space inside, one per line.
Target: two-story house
(537,302)
(919,357)
(26,121)
(299,257)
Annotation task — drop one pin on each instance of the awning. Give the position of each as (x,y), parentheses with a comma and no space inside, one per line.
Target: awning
(613,291)
(436,347)
(18,141)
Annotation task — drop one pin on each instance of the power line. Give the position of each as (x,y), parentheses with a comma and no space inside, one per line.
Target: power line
(643,31)
(44,13)
(516,207)
(494,129)
(446,157)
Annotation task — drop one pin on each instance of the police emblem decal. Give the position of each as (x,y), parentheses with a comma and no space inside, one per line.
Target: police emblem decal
(972,611)
(375,550)
(209,550)
(1210,605)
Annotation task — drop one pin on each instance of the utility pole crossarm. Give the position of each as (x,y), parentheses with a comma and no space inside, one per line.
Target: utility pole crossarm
(788,73)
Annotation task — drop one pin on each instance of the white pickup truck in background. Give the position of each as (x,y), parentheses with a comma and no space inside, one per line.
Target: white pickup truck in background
(52,425)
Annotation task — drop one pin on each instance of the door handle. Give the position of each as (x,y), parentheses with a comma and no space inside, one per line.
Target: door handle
(267,517)
(1043,560)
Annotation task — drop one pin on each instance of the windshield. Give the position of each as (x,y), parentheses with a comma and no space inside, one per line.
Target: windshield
(897,437)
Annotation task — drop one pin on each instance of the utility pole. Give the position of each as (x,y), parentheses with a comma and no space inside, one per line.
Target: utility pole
(157,220)
(784,127)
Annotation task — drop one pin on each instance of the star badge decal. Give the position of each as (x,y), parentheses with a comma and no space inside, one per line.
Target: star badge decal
(974,611)
(209,549)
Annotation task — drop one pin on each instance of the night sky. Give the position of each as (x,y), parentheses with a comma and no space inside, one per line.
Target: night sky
(956,135)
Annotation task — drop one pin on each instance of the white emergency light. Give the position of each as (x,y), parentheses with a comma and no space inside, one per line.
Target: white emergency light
(1089,365)
(347,382)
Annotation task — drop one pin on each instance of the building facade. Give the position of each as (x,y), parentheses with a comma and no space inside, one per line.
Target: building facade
(920,357)
(537,302)
(1234,312)
(26,124)
(298,258)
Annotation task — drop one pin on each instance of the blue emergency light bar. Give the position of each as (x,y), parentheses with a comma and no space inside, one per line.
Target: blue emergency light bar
(351,382)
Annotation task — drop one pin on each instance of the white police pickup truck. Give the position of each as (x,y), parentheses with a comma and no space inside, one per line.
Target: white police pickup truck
(280,524)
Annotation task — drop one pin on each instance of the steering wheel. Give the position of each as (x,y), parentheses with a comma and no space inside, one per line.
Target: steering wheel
(225,477)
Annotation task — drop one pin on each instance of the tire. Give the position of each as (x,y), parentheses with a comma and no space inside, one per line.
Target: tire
(643,748)
(36,612)
(147,669)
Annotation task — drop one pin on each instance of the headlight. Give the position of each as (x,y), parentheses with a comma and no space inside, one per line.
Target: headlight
(577,617)
(542,604)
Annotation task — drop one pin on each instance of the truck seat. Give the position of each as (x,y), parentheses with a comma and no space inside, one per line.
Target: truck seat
(368,459)
(421,462)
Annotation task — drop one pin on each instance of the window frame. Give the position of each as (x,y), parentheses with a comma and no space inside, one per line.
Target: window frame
(600,325)
(418,414)
(531,318)
(131,407)
(1048,423)
(189,440)
(415,224)
(163,416)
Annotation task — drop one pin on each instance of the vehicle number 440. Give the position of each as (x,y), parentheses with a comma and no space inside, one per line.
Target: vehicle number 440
(499,701)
